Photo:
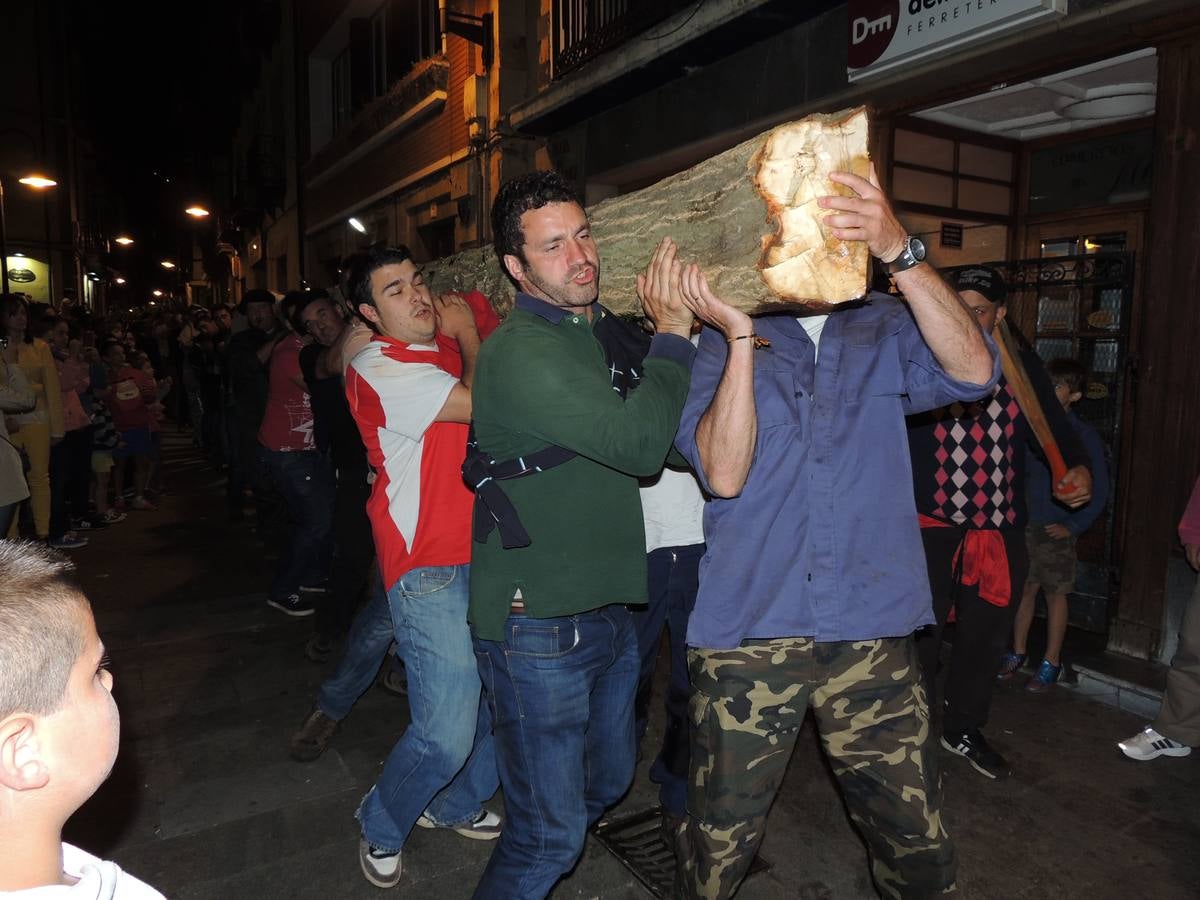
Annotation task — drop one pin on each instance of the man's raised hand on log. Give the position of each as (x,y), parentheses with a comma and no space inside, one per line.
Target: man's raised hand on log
(867,217)
(726,433)
(948,326)
(711,309)
(659,290)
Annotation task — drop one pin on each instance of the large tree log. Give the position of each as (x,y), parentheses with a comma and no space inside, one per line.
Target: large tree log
(748,216)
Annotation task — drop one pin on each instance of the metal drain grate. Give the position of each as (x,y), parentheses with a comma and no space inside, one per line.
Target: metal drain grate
(637,841)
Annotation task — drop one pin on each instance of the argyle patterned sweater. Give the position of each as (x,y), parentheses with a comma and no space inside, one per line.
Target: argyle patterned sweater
(968,460)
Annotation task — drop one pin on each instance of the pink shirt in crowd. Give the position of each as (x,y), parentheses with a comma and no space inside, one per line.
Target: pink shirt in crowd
(74,377)
(1189,525)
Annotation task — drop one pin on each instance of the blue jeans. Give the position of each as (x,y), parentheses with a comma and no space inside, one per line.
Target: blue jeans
(673,579)
(444,763)
(367,644)
(561,691)
(305,480)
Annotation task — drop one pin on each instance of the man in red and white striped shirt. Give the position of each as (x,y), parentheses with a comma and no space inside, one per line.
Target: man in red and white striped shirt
(409,392)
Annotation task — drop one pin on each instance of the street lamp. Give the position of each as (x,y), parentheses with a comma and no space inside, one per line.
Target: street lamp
(35,181)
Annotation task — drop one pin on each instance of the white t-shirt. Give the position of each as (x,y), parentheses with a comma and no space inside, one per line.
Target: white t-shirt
(98,879)
(673,510)
(814,325)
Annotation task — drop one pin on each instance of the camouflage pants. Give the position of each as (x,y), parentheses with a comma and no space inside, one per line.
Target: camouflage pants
(747,708)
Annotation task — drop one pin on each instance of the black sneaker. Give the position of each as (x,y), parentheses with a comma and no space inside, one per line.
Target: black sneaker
(292,605)
(972,747)
(318,649)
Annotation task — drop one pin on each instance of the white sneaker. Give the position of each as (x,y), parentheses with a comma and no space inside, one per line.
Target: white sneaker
(381,869)
(1148,743)
(486,826)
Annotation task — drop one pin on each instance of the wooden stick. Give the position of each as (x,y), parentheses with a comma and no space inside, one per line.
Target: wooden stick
(1019,384)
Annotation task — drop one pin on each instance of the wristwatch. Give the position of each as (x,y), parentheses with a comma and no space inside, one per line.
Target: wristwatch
(912,254)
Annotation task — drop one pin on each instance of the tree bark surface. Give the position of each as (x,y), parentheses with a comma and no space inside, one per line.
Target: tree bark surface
(747,216)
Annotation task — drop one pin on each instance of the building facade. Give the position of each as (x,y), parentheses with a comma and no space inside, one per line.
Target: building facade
(51,235)
(1054,138)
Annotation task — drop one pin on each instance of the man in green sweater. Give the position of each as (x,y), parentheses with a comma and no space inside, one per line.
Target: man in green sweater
(556,646)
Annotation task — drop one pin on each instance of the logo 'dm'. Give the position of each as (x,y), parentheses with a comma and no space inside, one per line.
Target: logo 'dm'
(873,24)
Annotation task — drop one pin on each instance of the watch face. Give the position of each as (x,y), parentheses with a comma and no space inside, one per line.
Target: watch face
(917,247)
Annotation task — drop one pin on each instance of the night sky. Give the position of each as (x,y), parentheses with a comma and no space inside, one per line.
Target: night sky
(162,86)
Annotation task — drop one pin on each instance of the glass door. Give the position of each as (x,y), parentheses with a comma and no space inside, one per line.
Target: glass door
(1074,296)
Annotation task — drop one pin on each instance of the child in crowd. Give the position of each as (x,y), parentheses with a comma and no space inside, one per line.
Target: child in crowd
(1052,533)
(162,387)
(131,397)
(105,439)
(59,729)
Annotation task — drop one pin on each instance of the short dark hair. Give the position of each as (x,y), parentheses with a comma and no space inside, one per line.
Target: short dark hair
(517,197)
(364,265)
(1068,371)
(41,628)
(9,304)
(47,321)
(295,302)
(257,295)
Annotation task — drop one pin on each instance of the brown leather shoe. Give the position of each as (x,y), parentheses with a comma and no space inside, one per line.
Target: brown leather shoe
(313,737)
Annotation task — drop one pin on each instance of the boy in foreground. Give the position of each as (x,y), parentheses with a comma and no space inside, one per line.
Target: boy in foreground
(59,729)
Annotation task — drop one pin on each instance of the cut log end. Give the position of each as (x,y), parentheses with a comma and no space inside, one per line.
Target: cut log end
(801,261)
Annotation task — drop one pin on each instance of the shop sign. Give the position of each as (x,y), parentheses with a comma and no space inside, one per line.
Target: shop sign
(1100,171)
(886,34)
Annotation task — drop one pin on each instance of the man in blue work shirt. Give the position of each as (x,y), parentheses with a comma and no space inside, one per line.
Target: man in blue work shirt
(815,579)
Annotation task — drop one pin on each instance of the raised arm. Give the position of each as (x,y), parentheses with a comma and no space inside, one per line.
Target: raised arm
(728,429)
(456,320)
(944,320)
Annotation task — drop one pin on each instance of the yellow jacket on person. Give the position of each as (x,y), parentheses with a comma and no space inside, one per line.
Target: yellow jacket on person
(37,362)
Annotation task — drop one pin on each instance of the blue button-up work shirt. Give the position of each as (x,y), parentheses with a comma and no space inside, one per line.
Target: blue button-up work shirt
(823,540)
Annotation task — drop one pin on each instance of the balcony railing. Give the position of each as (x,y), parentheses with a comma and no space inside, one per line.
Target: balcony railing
(583,29)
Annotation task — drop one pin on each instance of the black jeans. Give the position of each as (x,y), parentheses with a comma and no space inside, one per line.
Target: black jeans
(70,477)
(673,581)
(353,552)
(982,630)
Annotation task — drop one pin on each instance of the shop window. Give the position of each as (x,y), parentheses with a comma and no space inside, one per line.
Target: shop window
(983,196)
(987,162)
(924,150)
(1099,172)
(926,188)
(951,174)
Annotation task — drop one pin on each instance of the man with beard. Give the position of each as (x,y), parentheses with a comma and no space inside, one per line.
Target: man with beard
(555,643)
